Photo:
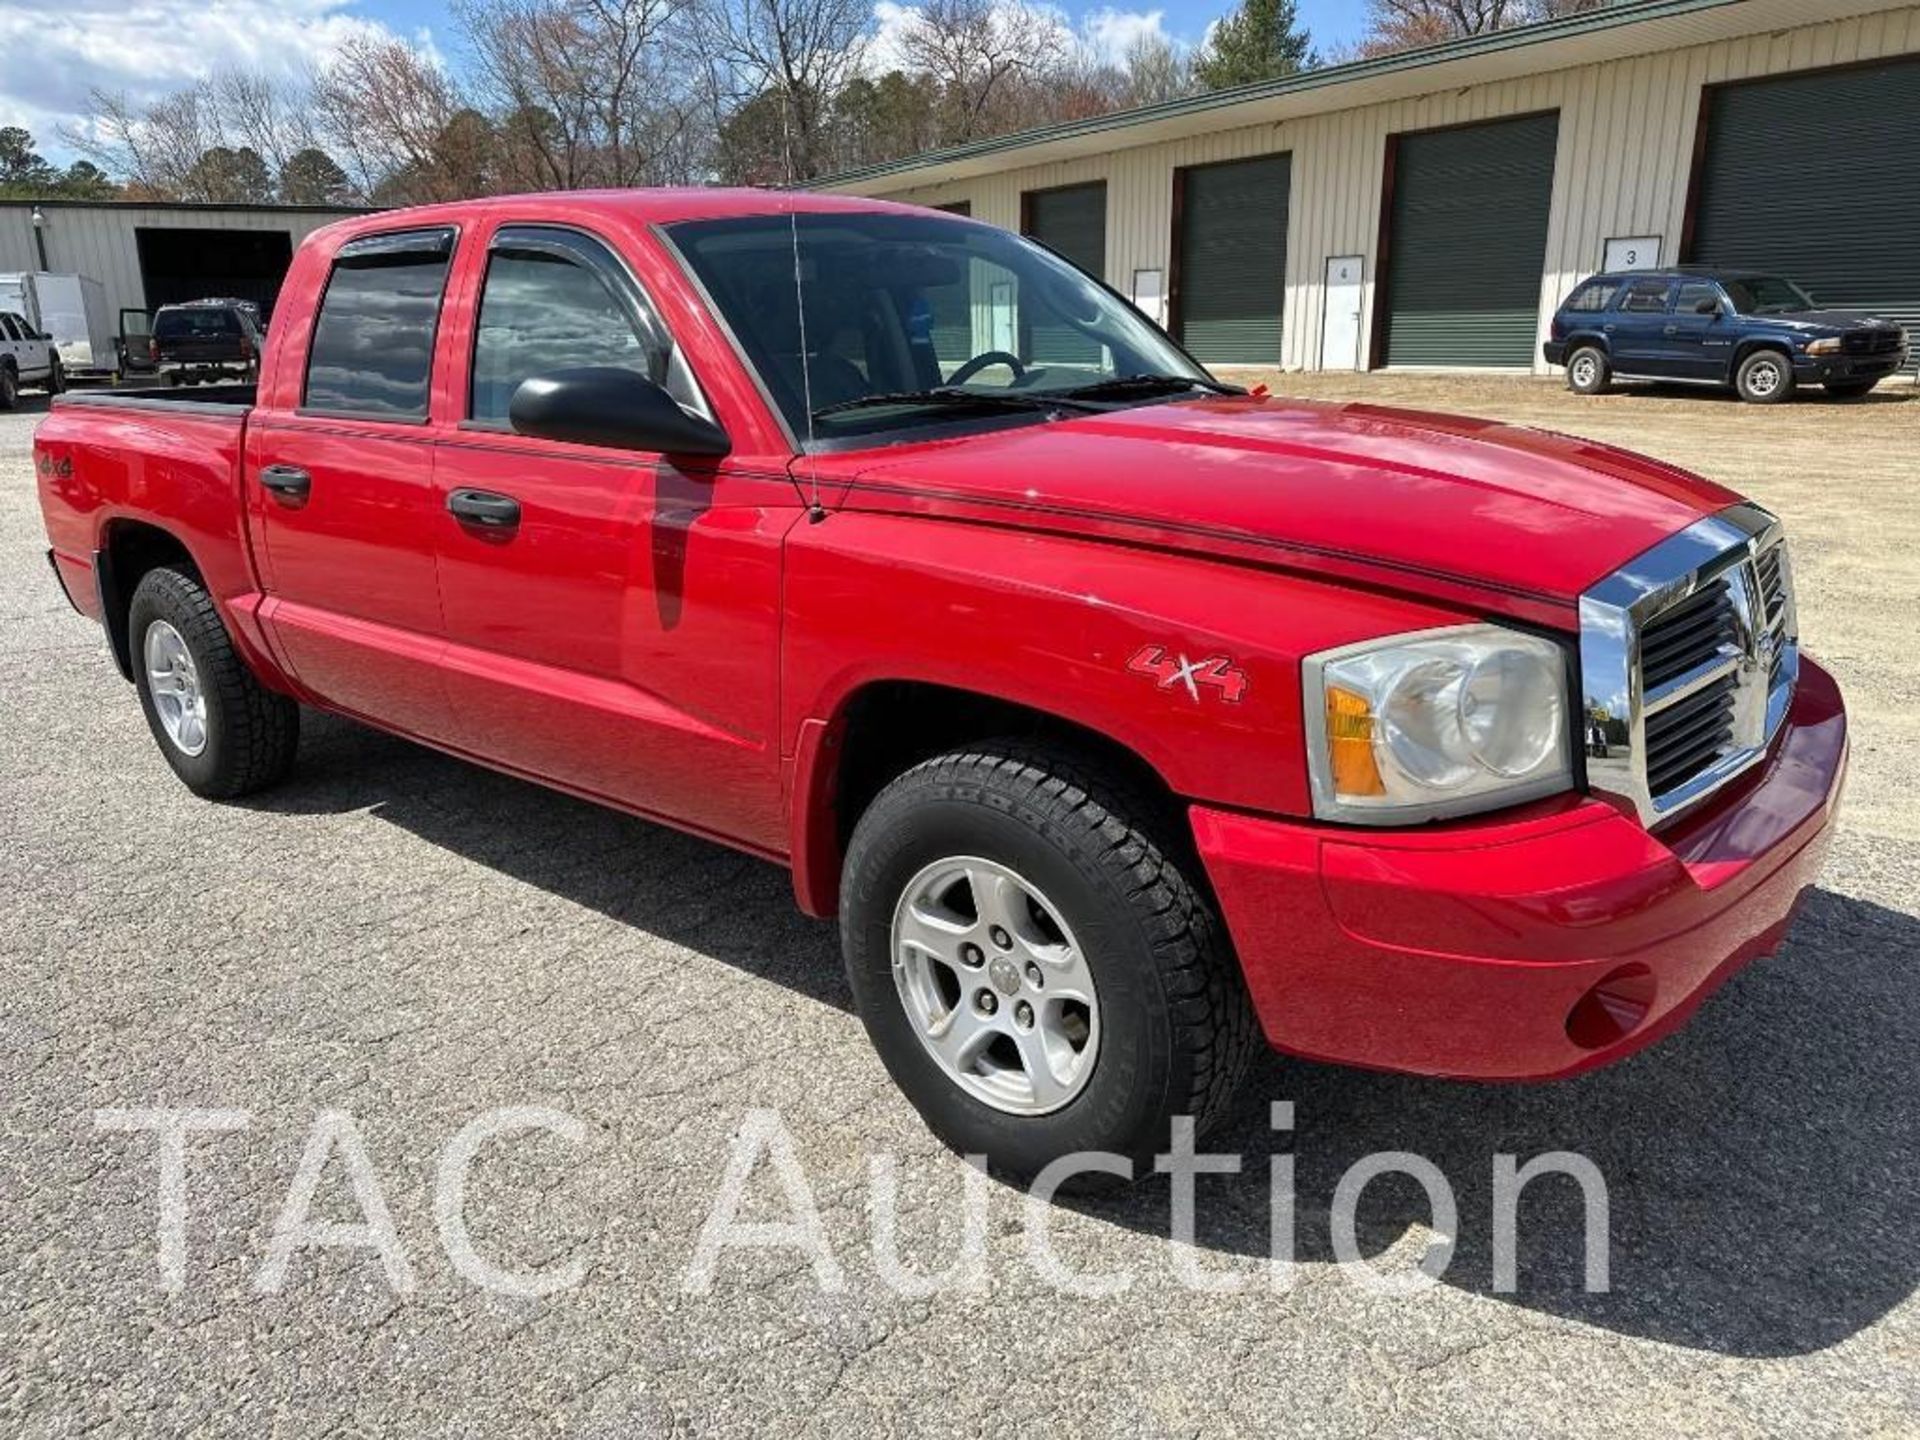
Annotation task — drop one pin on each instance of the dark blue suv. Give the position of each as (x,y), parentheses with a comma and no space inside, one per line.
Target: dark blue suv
(1758,333)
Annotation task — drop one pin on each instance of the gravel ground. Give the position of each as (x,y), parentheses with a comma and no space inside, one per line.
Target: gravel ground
(414,942)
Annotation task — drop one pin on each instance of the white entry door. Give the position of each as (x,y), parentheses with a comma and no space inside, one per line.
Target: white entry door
(1340,329)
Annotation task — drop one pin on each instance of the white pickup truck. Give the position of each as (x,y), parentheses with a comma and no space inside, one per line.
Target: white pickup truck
(26,358)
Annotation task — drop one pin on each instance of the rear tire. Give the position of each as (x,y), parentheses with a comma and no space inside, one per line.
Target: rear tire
(1850,389)
(1764,378)
(223,732)
(1588,372)
(1105,907)
(56,378)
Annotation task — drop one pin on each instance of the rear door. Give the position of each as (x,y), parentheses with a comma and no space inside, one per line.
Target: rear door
(1636,328)
(340,477)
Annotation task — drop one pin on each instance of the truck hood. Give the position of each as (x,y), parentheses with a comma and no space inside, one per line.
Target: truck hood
(1838,320)
(1486,514)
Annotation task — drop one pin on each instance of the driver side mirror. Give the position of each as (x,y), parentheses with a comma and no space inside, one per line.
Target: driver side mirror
(1710,307)
(608,406)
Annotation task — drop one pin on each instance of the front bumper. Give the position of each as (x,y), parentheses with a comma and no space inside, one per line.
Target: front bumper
(1817,369)
(1529,946)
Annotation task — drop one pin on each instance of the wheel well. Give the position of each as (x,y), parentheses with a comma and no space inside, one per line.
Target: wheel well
(130,549)
(889,727)
(1584,341)
(1747,347)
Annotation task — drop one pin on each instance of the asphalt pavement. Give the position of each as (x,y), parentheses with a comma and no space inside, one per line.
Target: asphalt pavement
(395,945)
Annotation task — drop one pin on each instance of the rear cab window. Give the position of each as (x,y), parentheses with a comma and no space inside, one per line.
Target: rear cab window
(372,351)
(199,323)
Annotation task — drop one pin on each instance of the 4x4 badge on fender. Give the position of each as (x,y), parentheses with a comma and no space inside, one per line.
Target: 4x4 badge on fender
(1216,671)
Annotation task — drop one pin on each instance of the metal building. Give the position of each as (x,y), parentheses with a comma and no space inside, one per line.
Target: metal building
(152,255)
(1433,208)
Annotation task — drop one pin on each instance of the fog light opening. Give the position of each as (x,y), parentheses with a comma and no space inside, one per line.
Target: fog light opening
(1613,1009)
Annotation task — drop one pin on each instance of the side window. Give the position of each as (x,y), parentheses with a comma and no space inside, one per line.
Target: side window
(372,351)
(7,332)
(1646,296)
(1695,294)
(1594,295)
(554,300)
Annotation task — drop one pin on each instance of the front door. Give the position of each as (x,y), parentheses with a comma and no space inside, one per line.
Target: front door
(612,616)
(1699,340)
(1340,331)
(340,476)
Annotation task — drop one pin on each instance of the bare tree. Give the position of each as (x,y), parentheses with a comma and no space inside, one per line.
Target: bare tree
(589,92)
(1407,24)
(390,113)
(1156,70)
(797,53)
(978,51)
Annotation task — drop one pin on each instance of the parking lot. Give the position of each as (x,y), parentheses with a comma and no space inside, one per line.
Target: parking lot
(415,942)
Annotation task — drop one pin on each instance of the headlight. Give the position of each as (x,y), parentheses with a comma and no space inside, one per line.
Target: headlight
(1828,346)
(1444,722)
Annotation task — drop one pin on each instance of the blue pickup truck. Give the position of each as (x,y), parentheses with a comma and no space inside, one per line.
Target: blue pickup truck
(1758,333)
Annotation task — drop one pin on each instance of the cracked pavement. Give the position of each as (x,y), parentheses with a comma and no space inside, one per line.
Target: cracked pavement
(415,941)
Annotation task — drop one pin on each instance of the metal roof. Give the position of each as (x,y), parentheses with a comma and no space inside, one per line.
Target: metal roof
(1627,28)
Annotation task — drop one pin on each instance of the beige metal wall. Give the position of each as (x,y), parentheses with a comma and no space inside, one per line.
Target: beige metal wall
(1625,156)
(99,240)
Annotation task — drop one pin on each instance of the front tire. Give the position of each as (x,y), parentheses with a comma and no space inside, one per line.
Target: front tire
(1764,378)
(1588,372)
(9,387)
(1039,972)
(223,732)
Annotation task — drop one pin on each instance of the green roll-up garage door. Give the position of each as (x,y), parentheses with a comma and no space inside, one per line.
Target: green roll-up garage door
(1469,242)
(1233,259)
(1072,221)
(1817,176)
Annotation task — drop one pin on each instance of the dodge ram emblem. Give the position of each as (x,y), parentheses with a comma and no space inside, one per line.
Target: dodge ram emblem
(1217,672)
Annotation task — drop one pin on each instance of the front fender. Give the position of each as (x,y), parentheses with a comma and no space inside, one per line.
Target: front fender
(1191,664)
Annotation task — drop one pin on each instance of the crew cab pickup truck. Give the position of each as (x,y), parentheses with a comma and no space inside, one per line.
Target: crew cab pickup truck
(1120,716)
(1760,335)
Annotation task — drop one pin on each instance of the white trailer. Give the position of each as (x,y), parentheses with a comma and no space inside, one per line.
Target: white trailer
(72,311)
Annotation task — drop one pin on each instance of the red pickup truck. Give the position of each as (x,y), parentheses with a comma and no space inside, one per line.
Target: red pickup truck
(1119,715)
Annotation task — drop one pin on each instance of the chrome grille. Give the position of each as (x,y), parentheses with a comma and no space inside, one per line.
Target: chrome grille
(1688,660)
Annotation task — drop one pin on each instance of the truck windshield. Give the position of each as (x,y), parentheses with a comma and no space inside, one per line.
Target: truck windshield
(1766,295)
(860,324)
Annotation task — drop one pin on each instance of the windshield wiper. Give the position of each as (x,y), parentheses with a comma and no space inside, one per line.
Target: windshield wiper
(949,395)
(1120,385)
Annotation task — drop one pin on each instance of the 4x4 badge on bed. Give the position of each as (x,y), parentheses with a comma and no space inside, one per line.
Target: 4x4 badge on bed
(1216,671)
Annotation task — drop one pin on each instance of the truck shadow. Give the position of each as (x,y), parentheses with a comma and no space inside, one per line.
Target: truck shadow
(1760,1163)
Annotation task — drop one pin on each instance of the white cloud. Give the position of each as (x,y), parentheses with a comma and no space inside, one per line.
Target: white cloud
(1110,34)
(52,56)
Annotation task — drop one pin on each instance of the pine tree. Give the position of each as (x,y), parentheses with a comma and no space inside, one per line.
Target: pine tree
(1262,40)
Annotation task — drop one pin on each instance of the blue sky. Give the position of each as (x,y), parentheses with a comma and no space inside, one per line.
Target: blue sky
(52,56)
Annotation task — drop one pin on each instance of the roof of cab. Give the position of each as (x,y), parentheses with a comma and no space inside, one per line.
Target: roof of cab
(663,205)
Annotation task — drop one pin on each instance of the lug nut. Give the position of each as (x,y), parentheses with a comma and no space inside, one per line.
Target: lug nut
(1034,977)
(1023,1015)
(1001,938)
(985,1002)
(972,956)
